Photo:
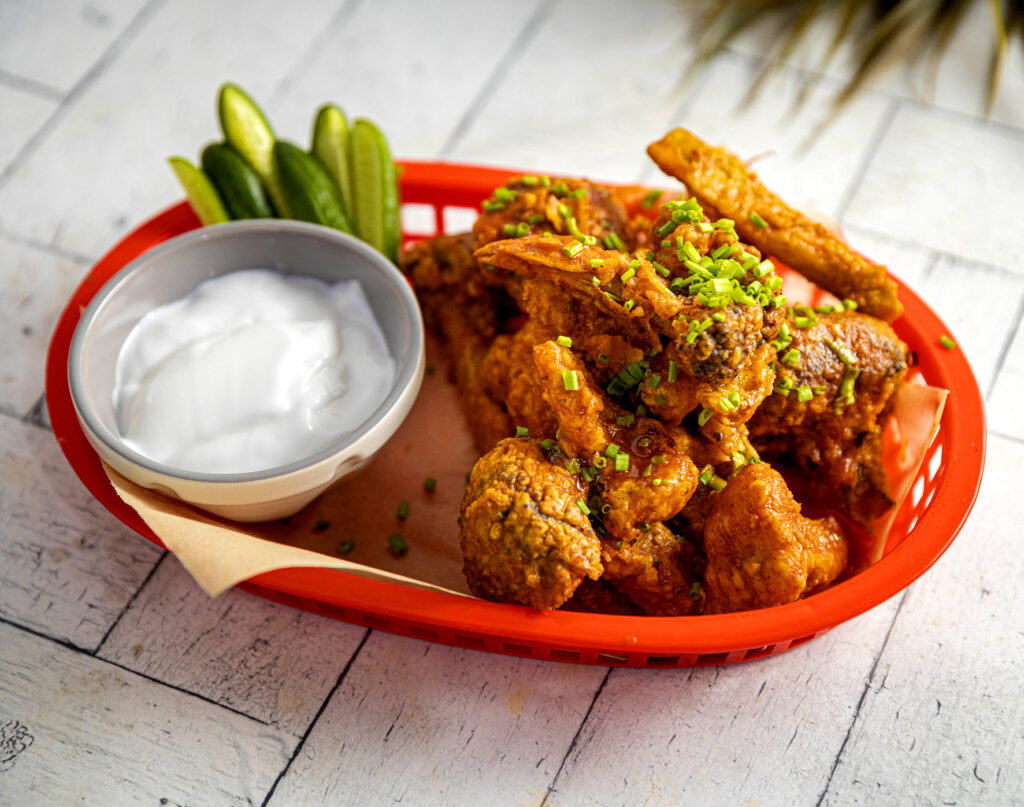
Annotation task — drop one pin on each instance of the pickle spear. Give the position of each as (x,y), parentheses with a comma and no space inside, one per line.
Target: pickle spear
(331,147)
(309,192)
(374,189)
(202,195)
(246,128)
(239,185)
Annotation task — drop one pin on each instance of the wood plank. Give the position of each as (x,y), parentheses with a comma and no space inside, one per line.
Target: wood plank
(1005,402)
(157,99)
(947,184)
(414,85)
(428,724)
(23,114)
(55,42)
(67,567)
(271,662)
(80,730)
(587,94)
(942,720)
(29,309)
(762,733)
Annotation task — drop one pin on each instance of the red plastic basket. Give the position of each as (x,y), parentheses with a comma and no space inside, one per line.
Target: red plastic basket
(439,194)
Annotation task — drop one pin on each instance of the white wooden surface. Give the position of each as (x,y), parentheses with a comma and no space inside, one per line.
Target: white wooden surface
(122,683)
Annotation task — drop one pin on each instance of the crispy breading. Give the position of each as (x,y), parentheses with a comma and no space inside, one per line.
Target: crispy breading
(721,180)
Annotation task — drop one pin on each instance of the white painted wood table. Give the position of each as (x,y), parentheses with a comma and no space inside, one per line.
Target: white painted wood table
(122,683)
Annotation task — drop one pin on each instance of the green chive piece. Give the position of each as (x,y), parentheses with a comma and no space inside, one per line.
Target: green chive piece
(672,371)
(564,341)
(695,589)
(398,545)
(529,181)
(759,222)
(650,199)
(622,462)
(625,420)
(804,394)
(947,343)
(572,250)
(490,206)
(596,263)
(583,506)
(630,272)
(612,450)
(704,416)
(603,358)
(403,510)
(791,358)
(509,229)
(430,484)
(522,431)
(570,381)
(850,305)
(705,226)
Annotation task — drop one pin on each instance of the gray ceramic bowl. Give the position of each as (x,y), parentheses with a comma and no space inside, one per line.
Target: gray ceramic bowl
(174,269)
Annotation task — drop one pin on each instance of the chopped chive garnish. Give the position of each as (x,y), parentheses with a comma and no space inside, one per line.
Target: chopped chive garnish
(613,241)
(622,462)
(509,229)
(947,343)
(529,181)
(625,420)
(564,341)
(656,482)
(653,381)
(850,305)
(536,219)
(398,545)
(547,444)
(522,431)
(570,381)
(430,484)
(705,226)
(846,356)
(804,322)
(695,590)
(628,305)
(505,194)
(661,270)
(572,250)
(704,416)
(803,393)
(579,193)
(759,222)
(791,358)
(545,181)
(600,462)
(650,199)
(583,506)
(611,451)
(603,358)
(672,371)
(490,206)
(346,546)
(595,280)
(596,263)
(403,509)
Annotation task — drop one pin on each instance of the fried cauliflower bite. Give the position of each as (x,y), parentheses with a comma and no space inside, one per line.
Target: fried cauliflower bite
(642,557)
(760,550)
(835,440)
(524,537)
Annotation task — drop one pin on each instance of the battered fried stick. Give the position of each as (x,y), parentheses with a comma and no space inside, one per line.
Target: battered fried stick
(720,180)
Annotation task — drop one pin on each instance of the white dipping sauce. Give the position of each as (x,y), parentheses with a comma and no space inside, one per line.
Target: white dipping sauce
(252,370)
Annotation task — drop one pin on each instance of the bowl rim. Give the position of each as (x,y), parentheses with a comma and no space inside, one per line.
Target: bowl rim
(405,370)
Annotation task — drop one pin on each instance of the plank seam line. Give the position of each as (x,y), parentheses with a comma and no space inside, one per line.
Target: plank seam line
(868,157)
(336,23)
(44,246)
(305,735)
(1004,436)
(100,66)
(575,737)
(1004,349)
(497,76)
(131,600)
(86,652)
(31,86)
(860,702)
